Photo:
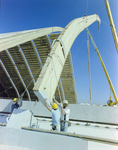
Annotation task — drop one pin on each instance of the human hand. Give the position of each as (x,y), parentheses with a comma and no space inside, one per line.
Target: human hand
(53,97)
(45,99)
(61,105)
(22,94)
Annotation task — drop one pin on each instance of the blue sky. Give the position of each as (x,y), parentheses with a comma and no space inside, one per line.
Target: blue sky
(19,15)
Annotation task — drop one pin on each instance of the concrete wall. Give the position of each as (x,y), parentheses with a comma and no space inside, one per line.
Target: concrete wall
(19,118)
(5,105)
(40,141)
(105,114)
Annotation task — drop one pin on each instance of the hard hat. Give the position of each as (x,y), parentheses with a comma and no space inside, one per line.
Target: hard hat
(54,106)
(14,99)
(65,102)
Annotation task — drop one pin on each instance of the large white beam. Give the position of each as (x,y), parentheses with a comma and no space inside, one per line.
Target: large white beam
(9,40)
(60,86)
(51,72)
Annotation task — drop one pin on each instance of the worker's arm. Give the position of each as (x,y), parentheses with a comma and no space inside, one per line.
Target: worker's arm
(19,99)
(60,105)
(56,102)
(20,102)
(47,105)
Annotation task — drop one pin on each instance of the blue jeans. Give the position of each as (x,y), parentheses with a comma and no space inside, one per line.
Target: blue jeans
(64,126)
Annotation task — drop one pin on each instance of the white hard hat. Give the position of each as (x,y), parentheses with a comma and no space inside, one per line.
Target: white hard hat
(65,102)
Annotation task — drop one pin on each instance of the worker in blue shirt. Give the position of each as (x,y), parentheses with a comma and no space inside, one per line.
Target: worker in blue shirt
(55,116)
(15,103)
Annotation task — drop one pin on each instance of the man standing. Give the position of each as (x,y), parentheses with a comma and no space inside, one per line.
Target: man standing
(65,113)
(55,115)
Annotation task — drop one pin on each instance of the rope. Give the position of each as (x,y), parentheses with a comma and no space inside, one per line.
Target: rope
(15,84)
(36,74)
(78,51)
(95,6)
(24,80)
(57,56)
(106,23)
(6,90)
(29,83)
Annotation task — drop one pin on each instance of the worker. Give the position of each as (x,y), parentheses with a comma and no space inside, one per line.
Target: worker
(15,103)
(55,115)
(65,113)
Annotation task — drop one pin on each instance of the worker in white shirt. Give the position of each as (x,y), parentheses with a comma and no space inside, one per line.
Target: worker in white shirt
(55,115)
(65,113)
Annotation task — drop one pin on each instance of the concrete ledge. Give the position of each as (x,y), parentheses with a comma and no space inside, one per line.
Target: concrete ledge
(84,137)
(40,140)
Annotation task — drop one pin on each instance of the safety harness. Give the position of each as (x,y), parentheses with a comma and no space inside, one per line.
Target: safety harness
(54,127)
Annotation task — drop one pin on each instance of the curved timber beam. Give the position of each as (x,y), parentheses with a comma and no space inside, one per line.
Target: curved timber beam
(51,72)
(9,40)
(60,82)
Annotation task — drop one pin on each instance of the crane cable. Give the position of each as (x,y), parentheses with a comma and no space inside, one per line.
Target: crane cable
(95,6)
(86,7)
